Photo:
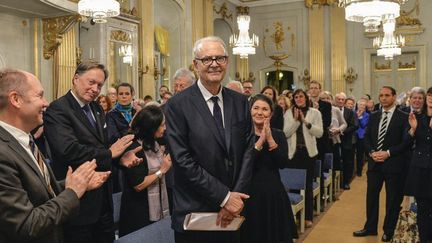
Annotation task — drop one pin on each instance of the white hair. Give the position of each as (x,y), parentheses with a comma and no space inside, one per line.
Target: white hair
(199,43)
(233,84)
(184,72)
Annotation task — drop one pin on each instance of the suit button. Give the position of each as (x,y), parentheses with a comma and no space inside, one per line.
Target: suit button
(419,152)
(428,138)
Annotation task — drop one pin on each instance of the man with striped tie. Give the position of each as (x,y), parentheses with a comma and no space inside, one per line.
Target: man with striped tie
(386,144)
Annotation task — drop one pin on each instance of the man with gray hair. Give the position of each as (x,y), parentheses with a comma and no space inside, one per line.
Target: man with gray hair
(417,100)
(209,131)
(235,85)
(183,79)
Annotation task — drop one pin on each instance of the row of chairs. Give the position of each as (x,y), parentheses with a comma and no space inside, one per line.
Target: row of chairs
(294,181)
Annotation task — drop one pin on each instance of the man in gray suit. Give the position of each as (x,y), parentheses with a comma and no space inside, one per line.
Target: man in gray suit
(33,204)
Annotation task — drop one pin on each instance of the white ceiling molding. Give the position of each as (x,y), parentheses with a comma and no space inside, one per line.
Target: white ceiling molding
(257,3)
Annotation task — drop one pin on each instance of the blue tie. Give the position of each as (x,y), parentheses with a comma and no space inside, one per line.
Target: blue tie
(87,112)
(217,115)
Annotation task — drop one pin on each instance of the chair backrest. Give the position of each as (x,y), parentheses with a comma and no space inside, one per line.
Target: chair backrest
(116,205)
(155,233)
(317,168)
(293,179)
(328,161)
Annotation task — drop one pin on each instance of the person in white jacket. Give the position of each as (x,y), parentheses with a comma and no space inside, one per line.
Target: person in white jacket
(302,125)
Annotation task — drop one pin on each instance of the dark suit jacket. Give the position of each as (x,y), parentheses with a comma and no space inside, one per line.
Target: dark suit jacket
(205,166)
(421,156)
(348,137)
(29,212)
(117,125)
(395,141)
(73,141)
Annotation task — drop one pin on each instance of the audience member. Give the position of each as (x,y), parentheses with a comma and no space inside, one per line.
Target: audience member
(235,85)
(303,124)
(162,90)
(370,106)
(284,102)
(248,89)
(210,135)
(138,104)
(112,95)
(277,119)
(387,148)
(75,130)
(35,206)
(416,101)
(147,99)
(363,118)
(144,199)
(182,79)
(268,211)
(347,140)
(165,97)
(419,179)
(104,102)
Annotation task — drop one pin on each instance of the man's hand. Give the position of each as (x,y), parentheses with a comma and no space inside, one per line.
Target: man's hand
(79,180)
(98,179)
(379,156)
(224,218)
(120,145)
(235,203)
(129,159)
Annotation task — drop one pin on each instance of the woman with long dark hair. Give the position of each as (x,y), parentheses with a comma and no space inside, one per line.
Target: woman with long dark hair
(302,126)
(269,217)
(277,120)
(144,199)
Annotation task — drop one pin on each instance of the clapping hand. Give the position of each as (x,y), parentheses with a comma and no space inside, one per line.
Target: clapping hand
(129,159)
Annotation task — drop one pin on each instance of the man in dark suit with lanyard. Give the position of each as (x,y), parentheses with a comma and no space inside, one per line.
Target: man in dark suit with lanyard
(386,144)
(33,203)
(76,131)
(209,131)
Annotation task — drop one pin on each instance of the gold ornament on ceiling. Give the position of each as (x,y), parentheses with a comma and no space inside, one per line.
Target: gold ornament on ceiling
(223,11)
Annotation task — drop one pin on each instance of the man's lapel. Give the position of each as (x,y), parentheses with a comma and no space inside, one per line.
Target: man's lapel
(19,150)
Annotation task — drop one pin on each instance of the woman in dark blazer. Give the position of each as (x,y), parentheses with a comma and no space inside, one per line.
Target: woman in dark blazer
(419,179)
(277,120)
(144,199)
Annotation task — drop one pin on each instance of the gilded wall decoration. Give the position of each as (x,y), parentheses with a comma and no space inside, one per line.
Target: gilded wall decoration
(53,29)
(305,77)
(350,76)
(120,35)
(319,3)
(407,66)
(405,18)
(223,11)
(278,41)
(383,67)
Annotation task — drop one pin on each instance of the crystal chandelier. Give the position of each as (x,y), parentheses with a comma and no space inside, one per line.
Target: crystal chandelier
(390,44)
(242,44)
(125,51)
(371,12)
(99,10)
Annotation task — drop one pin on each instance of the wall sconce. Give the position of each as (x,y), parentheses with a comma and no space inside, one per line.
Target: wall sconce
(350,76)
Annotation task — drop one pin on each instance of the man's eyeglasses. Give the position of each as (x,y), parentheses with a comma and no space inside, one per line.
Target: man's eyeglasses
(209,60)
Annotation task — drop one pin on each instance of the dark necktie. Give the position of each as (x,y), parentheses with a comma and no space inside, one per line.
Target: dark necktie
(87,112)
(40,161)
(217,115)
(382,131)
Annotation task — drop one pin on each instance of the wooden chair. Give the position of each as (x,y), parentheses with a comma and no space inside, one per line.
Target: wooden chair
(295,179)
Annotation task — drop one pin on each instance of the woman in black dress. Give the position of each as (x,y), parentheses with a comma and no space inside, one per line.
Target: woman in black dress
(419,179)
(144,199)
(268,213)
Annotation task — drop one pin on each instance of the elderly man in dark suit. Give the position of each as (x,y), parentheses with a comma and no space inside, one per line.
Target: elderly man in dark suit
(34,205)
(76,131)
(386,144)
(209,131)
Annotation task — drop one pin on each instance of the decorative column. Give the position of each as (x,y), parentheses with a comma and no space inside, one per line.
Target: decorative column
(316,44)
(202,19)
(146,37)
(338,49)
